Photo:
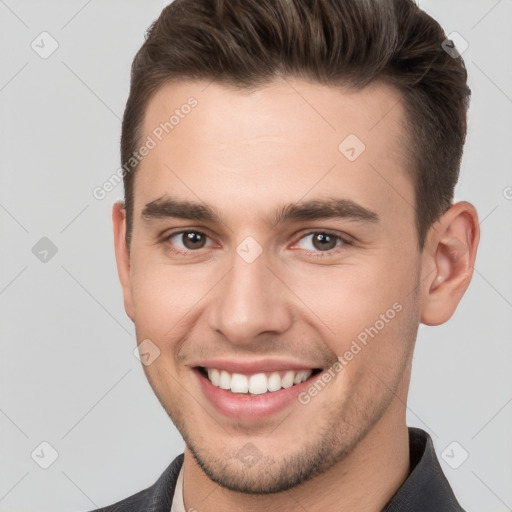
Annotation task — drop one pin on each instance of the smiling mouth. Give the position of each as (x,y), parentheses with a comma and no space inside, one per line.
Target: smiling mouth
(257,383)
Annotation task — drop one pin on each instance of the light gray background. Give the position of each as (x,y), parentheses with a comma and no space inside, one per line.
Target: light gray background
(69,376)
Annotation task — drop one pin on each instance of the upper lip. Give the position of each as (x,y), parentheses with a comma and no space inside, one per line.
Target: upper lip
(251,367)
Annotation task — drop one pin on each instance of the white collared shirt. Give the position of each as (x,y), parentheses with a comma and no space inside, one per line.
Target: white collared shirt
(178,505)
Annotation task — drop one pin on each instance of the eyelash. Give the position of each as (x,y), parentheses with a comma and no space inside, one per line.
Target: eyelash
(316,254)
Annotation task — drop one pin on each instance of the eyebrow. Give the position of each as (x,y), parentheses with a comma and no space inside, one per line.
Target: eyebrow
(327,208)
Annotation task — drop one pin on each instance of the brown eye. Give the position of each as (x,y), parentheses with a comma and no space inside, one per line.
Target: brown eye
(319,241)
(187,240)
(193,240)
(322,241)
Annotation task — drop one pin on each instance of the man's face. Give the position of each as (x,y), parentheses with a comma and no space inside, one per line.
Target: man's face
(245,294)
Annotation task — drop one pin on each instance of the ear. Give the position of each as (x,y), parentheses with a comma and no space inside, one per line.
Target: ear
(448,261)
(122,255)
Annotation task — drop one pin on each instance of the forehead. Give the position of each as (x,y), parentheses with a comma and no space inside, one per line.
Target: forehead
(287,107)
(287,139)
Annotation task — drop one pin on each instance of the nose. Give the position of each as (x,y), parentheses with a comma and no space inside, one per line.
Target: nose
(249,301)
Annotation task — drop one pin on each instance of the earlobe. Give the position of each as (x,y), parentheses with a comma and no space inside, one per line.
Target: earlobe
(122,255)
(451,248)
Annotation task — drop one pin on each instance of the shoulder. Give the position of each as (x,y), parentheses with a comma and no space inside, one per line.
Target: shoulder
(156,498)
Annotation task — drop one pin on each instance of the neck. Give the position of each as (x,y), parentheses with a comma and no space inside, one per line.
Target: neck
(365,480)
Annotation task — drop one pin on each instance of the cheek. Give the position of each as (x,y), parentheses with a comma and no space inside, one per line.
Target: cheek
(164,291)
(358,301)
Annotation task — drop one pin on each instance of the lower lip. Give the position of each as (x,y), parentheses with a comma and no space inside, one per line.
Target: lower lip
(250,407)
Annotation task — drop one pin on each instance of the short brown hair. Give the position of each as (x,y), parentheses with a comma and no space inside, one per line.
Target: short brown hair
(248,43)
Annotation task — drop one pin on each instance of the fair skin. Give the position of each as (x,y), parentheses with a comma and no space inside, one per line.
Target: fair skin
(299,302)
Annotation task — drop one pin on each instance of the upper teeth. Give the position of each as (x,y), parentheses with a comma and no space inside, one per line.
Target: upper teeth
(258,383)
